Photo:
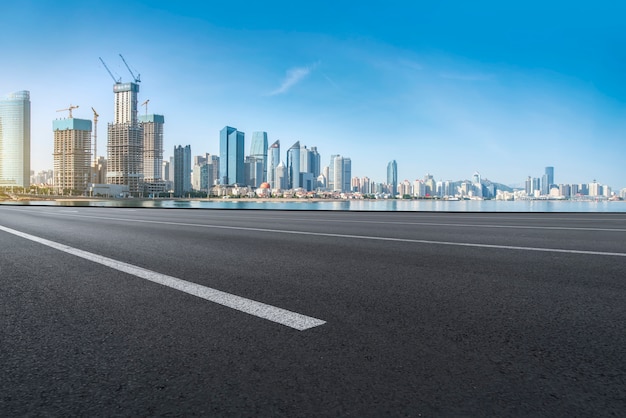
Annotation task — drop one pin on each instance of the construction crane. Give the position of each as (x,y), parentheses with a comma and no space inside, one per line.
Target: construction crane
(117,81)
(95,137)
(68,109)
(138,78)
(146,105)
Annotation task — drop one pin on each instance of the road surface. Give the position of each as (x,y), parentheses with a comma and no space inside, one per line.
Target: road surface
(143,312)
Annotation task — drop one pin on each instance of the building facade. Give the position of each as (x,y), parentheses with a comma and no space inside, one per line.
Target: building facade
(125,141)
(231,156)
(293,166)
(72,155)
(182,170)
(152,126)
(273,159)
(258,150)
(392,176)
(15,139)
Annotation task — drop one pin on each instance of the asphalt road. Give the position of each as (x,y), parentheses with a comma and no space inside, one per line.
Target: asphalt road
(406,314)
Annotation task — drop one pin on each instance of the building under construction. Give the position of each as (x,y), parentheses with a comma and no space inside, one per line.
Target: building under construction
(153,153)
(125,137)
(125,156)
(72,155)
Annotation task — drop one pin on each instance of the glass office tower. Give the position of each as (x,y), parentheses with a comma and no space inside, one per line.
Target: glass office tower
(258,150)
(231,156)
(15,139)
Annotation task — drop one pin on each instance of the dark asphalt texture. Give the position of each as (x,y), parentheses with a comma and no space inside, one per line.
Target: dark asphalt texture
(413,329)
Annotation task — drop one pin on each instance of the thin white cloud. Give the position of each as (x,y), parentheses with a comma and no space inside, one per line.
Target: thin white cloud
(293,77)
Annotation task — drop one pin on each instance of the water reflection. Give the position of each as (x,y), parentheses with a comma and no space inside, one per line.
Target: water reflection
(353,205)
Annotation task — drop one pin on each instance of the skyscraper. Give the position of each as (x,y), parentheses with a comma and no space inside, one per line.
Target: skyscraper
(258,150)
(293,166)
(330,178)
(547,180)
(273,159)
(392,176)
(309,168)
(253,168)
(528,186)
(281,177)
(231,156)
(209,173)
(340,174)
(182,170)
(125,140)
(72,155)
(347,174)
(152,126)
(15,139)
(315,162)
(550,176)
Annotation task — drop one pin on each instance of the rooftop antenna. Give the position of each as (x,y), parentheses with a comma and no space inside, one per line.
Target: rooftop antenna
(117,81)
(138,78)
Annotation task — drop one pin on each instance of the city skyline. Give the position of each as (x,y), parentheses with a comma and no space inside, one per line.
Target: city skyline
(434,102)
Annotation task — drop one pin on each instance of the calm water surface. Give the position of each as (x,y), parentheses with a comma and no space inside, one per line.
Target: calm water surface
(361,205)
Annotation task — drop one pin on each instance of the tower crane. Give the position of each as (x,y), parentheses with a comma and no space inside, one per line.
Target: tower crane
(95,137)
(138,78)
(68,109)
(146,105)
(117,81)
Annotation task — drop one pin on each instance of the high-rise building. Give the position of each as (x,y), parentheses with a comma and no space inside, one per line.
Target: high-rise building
(528,186)
(100,171)
(209,173)
(309,167)
(15,139)
(365,185)
(340,173)
(550,176)
(595,189)
(392,176)
(72,155)
(273,159)
(293,166)
(330,183)
(258,150)
(125,140)
(281,178)
(253,168)
(315,163)
(197,163)
(232,156)
(305,160)
(545,185)
(347,174)
(169,184)
(430,185)
(182,170)
(477,186)
(536,185)
(153,152)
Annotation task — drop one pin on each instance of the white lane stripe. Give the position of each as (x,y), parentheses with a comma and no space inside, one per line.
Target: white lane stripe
(365,237)
(258,309)
(476,226)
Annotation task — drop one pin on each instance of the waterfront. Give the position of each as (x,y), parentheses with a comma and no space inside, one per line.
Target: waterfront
(349,205)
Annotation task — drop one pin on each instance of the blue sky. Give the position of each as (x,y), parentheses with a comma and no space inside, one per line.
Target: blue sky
(447,88)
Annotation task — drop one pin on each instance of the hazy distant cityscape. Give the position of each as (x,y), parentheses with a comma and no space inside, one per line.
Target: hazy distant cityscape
(135,165)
